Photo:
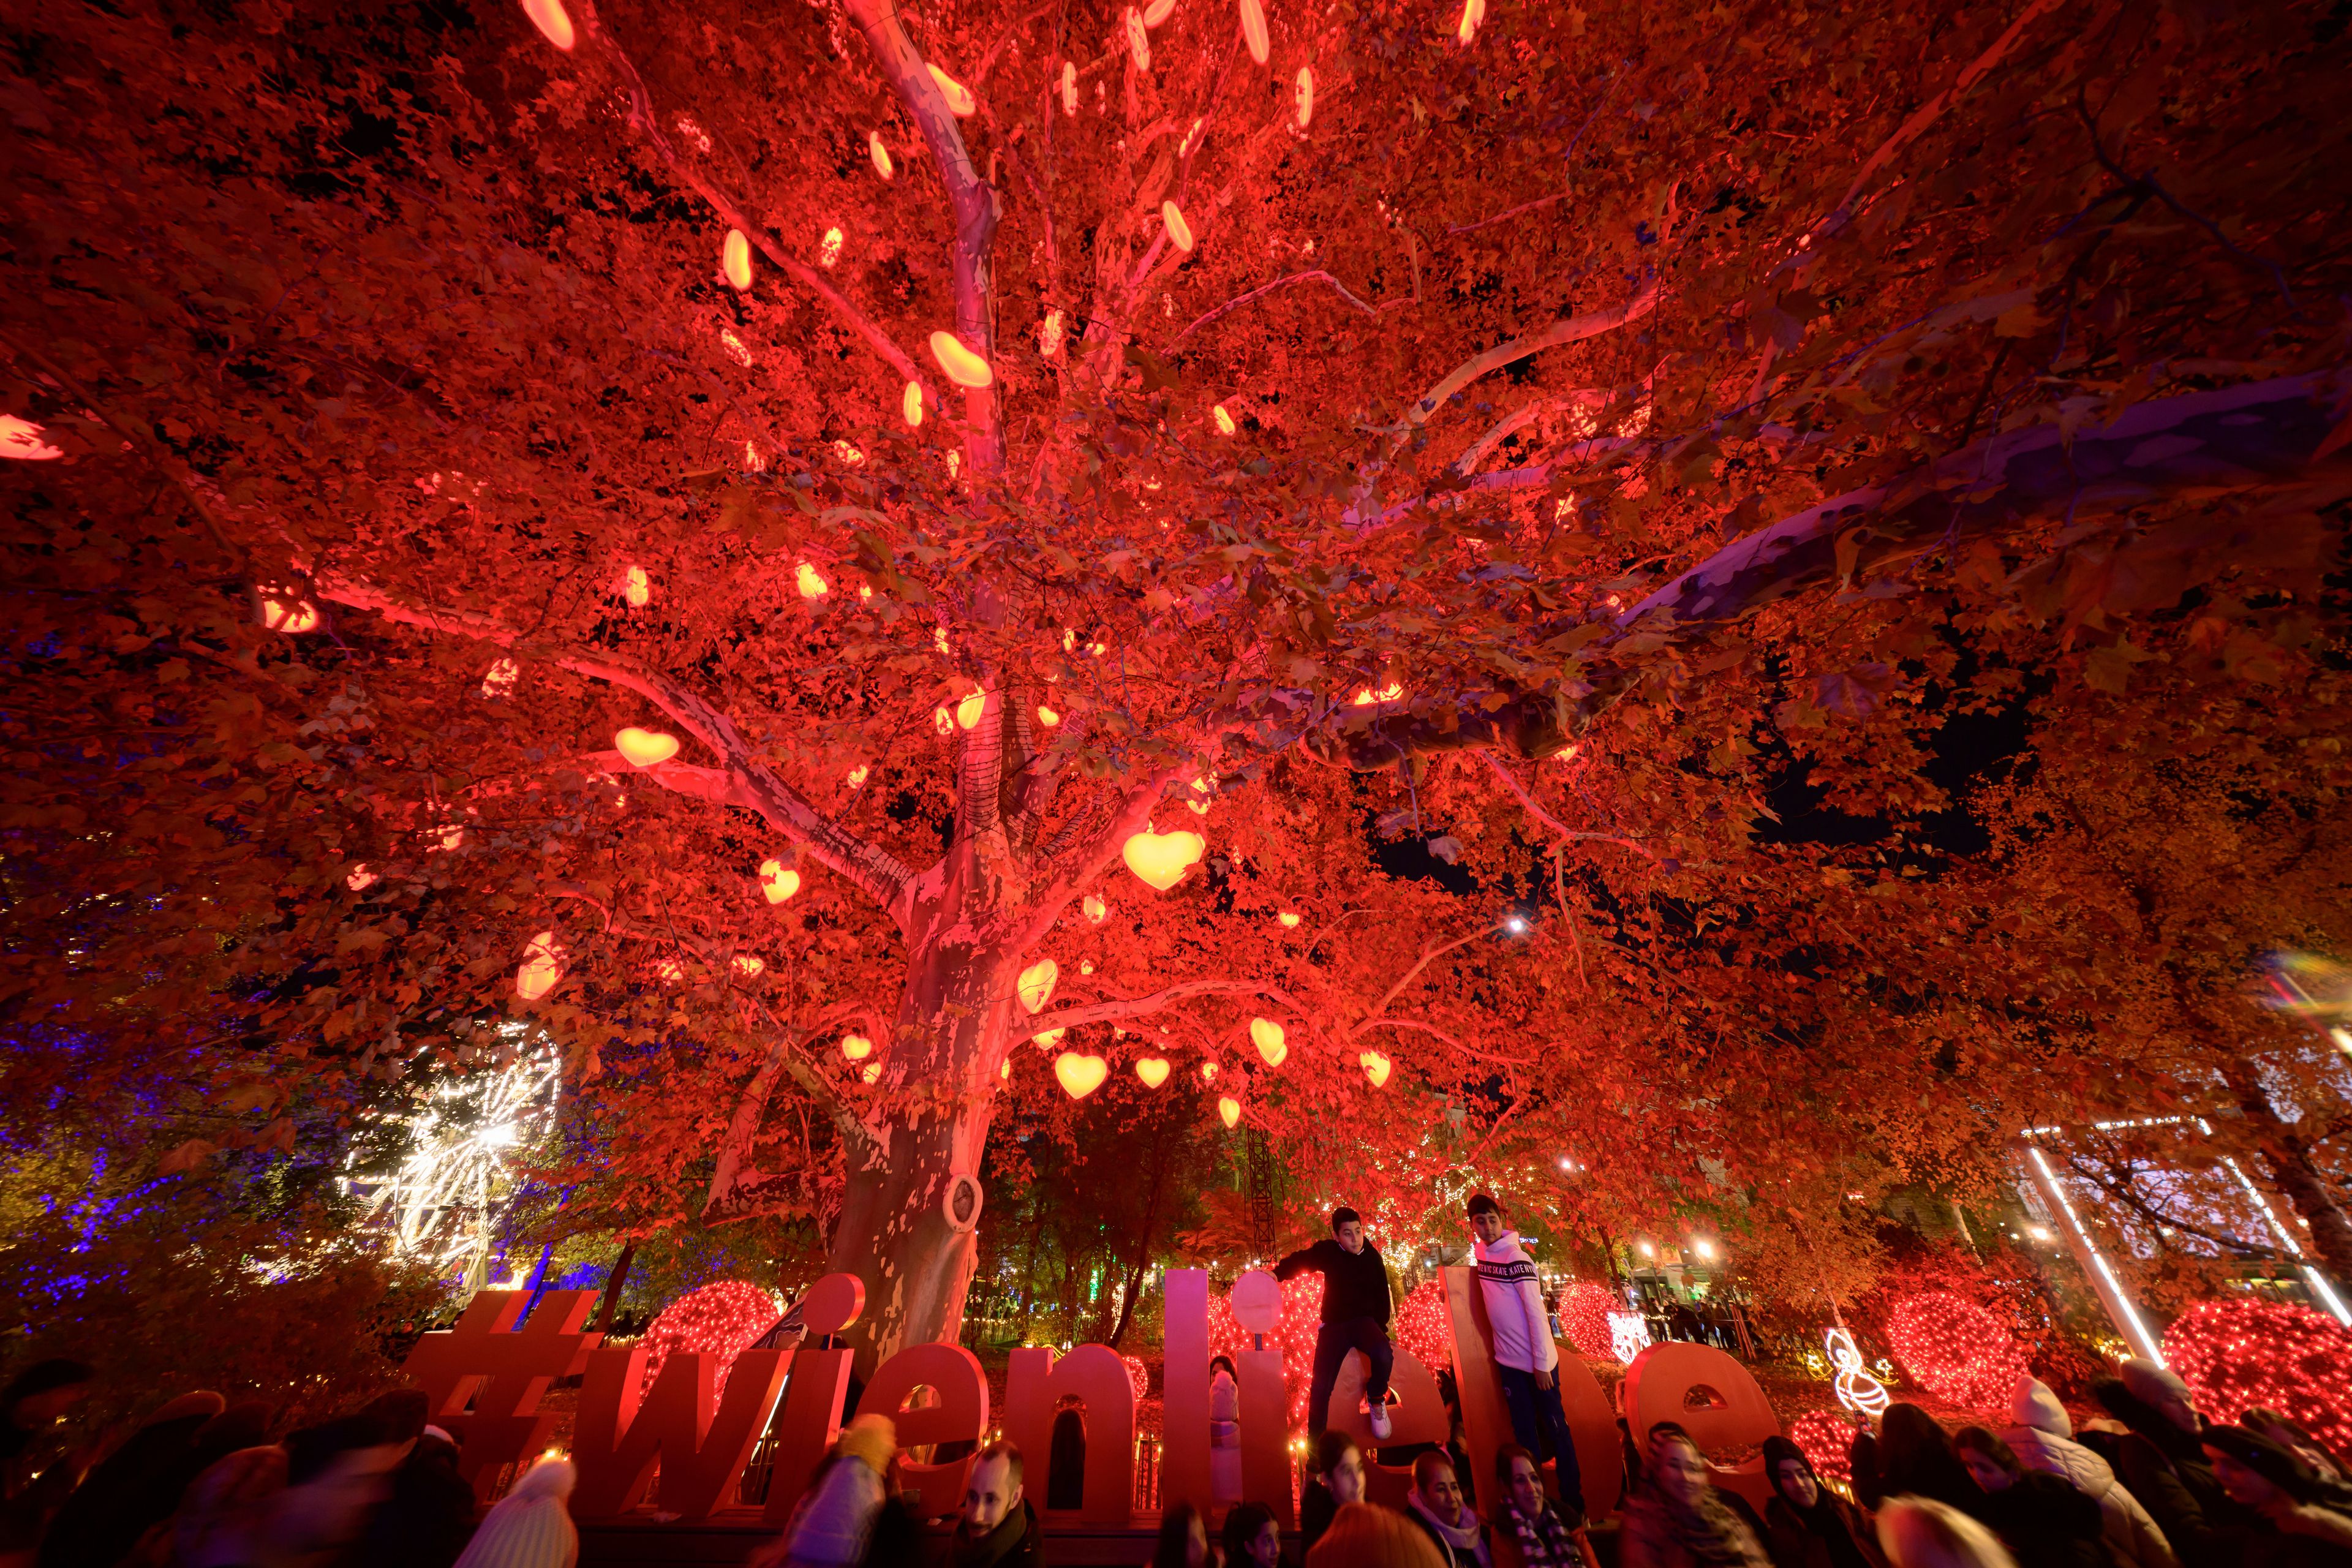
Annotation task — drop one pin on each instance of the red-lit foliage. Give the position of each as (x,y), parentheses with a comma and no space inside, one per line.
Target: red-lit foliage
(2238,1355)
(1543,356)
(720,1319)
(1955,1348)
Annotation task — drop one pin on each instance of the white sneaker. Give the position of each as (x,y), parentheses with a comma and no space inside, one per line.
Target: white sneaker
(1379,1417)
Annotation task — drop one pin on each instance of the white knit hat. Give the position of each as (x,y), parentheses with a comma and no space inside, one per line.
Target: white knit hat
(531,1526)
(2034,1406)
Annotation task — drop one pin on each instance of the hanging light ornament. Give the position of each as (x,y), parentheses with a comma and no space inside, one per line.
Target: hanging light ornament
(969,710)
(777,882)
(735,260)
(1048,717)
(1046,1039)
(1230,1110)
(1254,34)
(960,102)
(1069,93)
(21,439)
(1160,860)
(1225,420)
(291,617)
(1180,233)
(1377,1068)
(1472,13)
(668,971)
(810,582)
(749,964)
(1152,1070)
(1302,93)
(644,748)
(361,879)
(1080,1076)
(1159,11)
(857,776)
(1139,42)
(553,22)
(1049,334)
(879,151)
(1208,1072)
(942,720)
(1036,984)
(828,249)
(1289,920)
(1266,1036)
(873,1073)
(636,587)
(910,405)
(963,367)
(1095,909)
(542,966)
(500,679)
(857,1047)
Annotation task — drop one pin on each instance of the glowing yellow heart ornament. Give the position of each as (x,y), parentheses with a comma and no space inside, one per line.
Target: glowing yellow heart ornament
(1377,1068)
(542,966)
(1152,1070)
(964,367)
(550,18)
(1160,860)
(778,881)
(968,712)
(1046,1039)
(644,748)
(1080,1076)
(1036,985)
(1266,1036)
(1289,920)
(735,260)
(1095,909)
(857,1047)
(1231,1110)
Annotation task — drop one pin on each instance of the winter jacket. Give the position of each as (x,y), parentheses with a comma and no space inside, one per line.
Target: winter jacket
(1355,1284)
(831,1526)
(1833,1536)
(2046,1523)
(2043,1440)
(531,1525)
(1012,1544)
(1515,1306)
(1459,1547)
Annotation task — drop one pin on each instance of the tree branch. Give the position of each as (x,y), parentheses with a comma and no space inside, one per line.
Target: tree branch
(1413,1024)
(1428,954)
(1261,292)
(1134,813)
(1559,829)
(1132,1007)
(1570,330)
(746,781)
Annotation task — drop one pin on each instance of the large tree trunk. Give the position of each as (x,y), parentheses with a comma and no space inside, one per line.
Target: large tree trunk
(896,1232)
(2295,1174)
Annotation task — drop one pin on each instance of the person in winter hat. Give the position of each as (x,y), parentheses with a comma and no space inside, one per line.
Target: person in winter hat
(2042,1520)
(2164,1463)
(1524,1358)
(1806,1525)
(831,1526)
(2044,1439)
(531,1525)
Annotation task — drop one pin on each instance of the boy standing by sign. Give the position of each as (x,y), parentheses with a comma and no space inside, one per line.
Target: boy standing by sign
(1524,1360)
(1355,1317)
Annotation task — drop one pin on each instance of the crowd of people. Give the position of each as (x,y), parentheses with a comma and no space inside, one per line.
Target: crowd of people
(2151,1484)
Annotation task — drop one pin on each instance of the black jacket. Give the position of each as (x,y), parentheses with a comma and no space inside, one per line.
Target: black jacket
(2045,1523)
(1012,1544)
(1355,1284)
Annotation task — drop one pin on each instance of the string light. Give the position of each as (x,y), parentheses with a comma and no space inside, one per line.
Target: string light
(1584,1309)
(721,1318)
(1424,1327)
(2238,1355)
(1955,1348)
(1826,1439)
(1857,1389)
(1293,1335)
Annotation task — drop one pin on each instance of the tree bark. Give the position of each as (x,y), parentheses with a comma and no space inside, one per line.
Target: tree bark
(2294,1173)
(614,1282)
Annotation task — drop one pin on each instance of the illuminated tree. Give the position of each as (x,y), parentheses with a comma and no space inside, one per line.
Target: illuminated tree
(1375,434)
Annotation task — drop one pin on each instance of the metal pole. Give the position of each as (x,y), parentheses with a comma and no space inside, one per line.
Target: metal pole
(2120,1310)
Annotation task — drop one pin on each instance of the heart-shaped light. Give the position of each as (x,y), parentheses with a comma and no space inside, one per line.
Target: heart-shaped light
(636,587)
(748,964)
(1095,909)
(1005,1071)
(1036,987)
(553,22)
(778,881)
(669,971)
(1080,1076)
(969,710)
(1048,718)
(289,617)
(1208,1072)
(735,260)
(873,1071)
(500,678)
(1231,1110)
(857,1047)
(361,879)
(810,582)
(1266,1036)
(1160,860)
(644,748)
(1289,920)
(1152,1070)
(1046,1039)
(1377,1068)
(542,966)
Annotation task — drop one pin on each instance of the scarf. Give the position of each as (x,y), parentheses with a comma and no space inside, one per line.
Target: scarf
(989,1550)
(1543,1540)
(1460,1538)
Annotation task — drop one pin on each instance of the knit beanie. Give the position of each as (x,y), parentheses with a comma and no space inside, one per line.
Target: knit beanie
(873,1439)
(2153,1385)
(531,1527)
(2264,1457)
(2034,1406)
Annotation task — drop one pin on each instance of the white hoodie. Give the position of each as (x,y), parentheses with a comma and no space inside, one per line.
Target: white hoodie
(2044,1439)
(1515,1306)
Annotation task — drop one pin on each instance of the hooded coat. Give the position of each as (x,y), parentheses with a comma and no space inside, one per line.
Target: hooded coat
(2044,1439)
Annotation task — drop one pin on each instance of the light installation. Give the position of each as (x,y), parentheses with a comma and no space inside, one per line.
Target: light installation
(721,1318)
(1955,1348)
(1826,1439)
(1857,1389)
(2238,1355)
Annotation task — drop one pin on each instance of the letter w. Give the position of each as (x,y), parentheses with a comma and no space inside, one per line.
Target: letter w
(624,1429)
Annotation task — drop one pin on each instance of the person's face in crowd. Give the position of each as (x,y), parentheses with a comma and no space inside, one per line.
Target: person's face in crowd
(1444,1494)
(1526,1488)
(331,1509)
(1987,1470)
(1350,1234)
(1487,1227)
(1196,1543)
(1797,1483)
(990,1495)
(1346,1479)
(2245,1486)
(1682,1470)
(1265,1548)
(2179,1410)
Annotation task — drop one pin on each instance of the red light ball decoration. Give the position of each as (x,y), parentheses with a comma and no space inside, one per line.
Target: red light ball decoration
(2237,1354)
(1955,1348)
(1826,1439)
(720,1319)
(1584,1309)
(1293,1336)
(1138,1376)
(1424,1327)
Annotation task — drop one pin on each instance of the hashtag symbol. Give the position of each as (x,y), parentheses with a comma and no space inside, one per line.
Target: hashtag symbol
(501,1371)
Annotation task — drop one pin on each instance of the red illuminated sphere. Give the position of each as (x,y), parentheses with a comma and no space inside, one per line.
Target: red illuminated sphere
(2237,1354)
(1584,1312)
(721,1319)
(1424,1327)
(1826,1439)
(1293,1336)
(1955,1348)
